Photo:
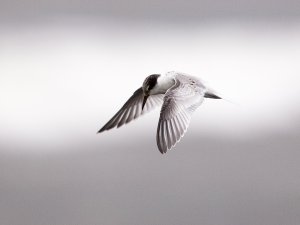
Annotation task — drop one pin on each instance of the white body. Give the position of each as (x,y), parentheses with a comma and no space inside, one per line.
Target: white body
(180,95)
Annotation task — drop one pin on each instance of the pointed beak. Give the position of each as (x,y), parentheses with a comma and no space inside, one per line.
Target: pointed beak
(144,100)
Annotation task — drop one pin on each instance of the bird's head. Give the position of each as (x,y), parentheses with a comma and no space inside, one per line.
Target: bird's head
(149,83)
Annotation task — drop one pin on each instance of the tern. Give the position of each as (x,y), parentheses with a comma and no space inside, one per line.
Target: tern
(178,94)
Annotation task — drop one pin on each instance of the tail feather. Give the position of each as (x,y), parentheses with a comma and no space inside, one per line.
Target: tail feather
(211,95)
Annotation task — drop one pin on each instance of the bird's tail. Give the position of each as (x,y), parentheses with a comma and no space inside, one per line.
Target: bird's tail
(212,94)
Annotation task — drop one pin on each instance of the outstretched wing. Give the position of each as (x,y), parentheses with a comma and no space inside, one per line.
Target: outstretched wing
(132,109)
(180,102)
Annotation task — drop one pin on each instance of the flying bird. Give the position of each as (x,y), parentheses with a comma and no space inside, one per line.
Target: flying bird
(178,94)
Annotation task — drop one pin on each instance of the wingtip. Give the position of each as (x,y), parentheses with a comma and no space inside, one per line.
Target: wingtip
(100,131)
(159,149)
(162,151)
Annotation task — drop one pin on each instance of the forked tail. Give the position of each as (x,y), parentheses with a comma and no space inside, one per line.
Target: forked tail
(211,95)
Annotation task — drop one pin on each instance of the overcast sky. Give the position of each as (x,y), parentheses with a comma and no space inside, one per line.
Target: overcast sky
(67,66)
(172,11)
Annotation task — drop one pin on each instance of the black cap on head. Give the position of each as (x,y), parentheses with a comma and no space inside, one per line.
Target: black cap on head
(148,85)
(150,81)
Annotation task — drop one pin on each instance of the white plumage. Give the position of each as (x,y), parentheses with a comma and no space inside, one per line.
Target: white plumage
(180,95)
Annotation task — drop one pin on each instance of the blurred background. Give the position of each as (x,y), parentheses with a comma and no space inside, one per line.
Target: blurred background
(67,66)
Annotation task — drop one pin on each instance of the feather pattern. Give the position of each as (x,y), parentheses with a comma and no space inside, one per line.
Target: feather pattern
(179,94)
(180,101)
(132,109)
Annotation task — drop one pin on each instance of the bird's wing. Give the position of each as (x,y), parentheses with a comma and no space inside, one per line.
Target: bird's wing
(133,109)
(180,101)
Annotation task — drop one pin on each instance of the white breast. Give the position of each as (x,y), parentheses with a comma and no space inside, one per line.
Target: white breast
(163,84)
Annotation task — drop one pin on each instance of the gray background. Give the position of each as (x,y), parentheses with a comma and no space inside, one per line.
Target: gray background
(59,62)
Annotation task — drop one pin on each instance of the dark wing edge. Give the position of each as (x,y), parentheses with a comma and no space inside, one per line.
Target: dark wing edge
(175,116)
(171,129)
(132,109)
